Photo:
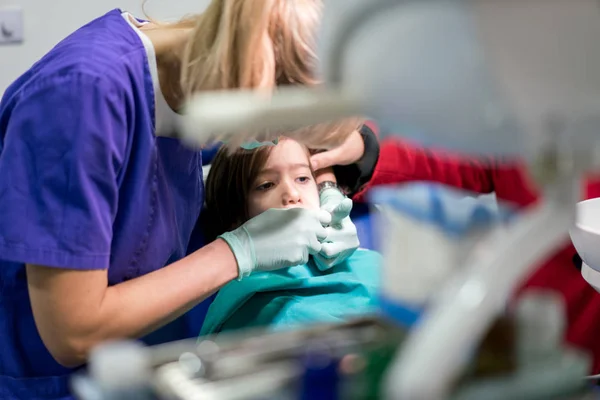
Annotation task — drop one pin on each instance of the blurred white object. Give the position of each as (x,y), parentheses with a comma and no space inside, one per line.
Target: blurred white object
(541,325)
(585,236)
(412,272)
(120,365)
(591,276)
(246,115)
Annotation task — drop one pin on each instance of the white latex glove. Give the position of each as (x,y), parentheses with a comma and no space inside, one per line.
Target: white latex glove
(277,238)
(342,238)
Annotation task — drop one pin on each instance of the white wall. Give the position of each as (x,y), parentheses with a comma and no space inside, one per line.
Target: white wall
(46,22)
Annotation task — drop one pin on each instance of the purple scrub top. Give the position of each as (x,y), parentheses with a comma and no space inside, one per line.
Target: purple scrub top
(84,184)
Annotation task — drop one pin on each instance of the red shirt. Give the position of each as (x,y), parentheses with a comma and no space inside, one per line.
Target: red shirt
(400,162)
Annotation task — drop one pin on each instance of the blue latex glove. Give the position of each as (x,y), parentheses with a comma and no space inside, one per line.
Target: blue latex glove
(277,238)
(342,237)
(454,211)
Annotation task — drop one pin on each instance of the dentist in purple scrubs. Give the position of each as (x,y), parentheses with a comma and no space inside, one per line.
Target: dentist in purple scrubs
(97,206)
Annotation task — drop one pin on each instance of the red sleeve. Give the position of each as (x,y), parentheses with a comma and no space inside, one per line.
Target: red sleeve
(592,188)
(402,162)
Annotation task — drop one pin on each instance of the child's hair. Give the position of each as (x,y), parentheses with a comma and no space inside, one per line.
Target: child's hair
(243,44)
(228,186)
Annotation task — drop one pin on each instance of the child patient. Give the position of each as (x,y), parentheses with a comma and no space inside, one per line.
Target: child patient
(241,186)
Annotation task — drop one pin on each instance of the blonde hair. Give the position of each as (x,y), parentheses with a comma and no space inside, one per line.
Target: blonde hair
(243,44)
(259,44)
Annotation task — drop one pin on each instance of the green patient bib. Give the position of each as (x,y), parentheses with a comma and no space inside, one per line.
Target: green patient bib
(297,296)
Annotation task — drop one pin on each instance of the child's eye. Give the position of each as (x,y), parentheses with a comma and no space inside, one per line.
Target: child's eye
(265,186)
(304,179)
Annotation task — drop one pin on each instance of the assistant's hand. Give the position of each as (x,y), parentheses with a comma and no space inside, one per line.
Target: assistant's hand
(347,153)
(342,238)
(277,238)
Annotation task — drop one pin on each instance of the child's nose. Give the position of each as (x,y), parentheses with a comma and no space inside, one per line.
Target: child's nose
(291,195)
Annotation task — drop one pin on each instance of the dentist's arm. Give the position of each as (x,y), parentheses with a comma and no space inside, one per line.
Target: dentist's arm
(75,310)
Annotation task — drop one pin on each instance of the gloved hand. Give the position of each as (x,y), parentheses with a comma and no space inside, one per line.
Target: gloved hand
(277,238)
(342,238)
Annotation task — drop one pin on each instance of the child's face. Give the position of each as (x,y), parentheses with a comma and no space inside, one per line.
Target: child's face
(285,181)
